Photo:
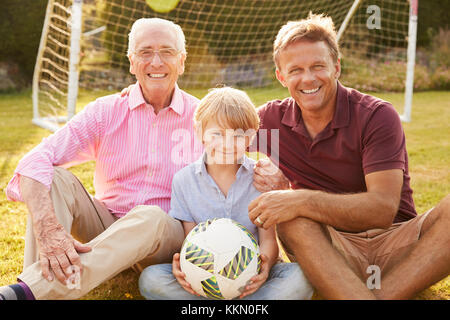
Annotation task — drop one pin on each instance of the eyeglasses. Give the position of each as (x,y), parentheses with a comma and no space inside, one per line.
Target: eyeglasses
(164,54)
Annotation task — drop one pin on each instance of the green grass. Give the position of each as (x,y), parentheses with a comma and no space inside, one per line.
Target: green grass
(427,137)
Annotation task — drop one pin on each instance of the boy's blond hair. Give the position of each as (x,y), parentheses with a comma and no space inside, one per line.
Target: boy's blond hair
(230,108)
(315,28)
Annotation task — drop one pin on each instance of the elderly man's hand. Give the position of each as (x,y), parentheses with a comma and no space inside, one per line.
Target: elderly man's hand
(268,177)
(58,251)
(277,206)
(126,91)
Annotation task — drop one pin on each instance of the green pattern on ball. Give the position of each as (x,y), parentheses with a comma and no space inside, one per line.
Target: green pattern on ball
(238,264)
(211,288)
(200,257)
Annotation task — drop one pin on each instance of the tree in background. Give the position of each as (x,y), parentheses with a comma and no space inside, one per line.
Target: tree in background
(20,31)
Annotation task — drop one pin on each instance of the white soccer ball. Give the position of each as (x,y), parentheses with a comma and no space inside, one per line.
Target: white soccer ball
(219,256)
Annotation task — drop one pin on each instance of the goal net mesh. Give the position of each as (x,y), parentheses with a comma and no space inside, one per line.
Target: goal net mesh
(229,42)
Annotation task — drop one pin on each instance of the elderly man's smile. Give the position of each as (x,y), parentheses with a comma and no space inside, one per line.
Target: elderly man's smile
(157,75)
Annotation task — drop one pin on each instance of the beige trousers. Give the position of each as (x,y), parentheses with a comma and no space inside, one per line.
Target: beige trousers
(146,235)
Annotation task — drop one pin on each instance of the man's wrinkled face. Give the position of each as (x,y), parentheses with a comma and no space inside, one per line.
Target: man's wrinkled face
(156,62)
(309,72)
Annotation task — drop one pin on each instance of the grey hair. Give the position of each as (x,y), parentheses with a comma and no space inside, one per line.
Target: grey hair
(152,23)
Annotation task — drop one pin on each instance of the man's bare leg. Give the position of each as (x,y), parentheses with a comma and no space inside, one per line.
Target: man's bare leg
(428,261)
(322,264)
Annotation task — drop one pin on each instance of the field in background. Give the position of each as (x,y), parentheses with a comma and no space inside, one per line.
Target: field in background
(427,138)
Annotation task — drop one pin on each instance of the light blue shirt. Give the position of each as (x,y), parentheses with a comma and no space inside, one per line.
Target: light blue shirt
(196,196)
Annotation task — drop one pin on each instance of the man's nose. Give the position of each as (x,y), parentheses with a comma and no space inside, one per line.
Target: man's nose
(156,60)
(308,76)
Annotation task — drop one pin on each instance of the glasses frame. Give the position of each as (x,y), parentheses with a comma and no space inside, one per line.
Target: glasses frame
(161,56)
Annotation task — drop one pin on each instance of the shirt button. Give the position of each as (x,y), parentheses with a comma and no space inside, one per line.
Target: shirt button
(150,174)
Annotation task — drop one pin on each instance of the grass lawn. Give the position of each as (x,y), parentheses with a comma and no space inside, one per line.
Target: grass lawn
(427,139)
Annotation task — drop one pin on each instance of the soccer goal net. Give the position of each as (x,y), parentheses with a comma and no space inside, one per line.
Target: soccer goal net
(229,42)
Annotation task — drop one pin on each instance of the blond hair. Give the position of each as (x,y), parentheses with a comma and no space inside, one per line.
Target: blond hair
(230,108)
(314,28)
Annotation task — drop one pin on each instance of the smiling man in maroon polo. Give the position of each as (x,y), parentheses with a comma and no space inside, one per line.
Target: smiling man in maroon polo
(348,214)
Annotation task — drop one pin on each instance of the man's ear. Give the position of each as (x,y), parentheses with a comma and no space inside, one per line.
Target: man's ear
(337,67)
(183,59)
(132,71)
(280,77)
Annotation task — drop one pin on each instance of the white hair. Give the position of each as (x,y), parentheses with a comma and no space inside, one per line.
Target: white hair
(152,23)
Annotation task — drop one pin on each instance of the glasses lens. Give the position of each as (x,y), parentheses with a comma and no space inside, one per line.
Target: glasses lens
(163,53)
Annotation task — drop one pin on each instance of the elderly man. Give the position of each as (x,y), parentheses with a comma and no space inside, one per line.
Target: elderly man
(138,142)
(350,221)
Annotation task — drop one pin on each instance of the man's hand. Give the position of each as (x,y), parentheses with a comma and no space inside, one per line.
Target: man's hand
(275,207)
(58,252)
(57,248)
(268,177)
(257,281)
(126,91)
(181,276)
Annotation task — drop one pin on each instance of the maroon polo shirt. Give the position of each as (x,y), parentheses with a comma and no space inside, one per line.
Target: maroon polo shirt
(364,136)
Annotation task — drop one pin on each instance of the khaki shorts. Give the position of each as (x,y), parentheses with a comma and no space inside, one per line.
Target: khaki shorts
(383,248)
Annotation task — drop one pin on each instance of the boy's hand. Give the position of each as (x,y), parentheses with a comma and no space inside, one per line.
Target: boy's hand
(126,91)
(180,276)
(257,281)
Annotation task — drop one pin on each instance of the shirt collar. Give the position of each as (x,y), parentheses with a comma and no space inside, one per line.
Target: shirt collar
(292,115)
(200,164)
(341,117)
(136,99)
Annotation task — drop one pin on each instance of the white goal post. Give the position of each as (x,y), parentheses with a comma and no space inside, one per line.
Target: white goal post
(83,46)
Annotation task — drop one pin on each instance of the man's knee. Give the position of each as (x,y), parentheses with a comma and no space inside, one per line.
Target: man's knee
(63,175)
(153,215)
(300,235)
(439,215)
(298,228)
(158,225)
(444,214)
(64,186)
(445,207)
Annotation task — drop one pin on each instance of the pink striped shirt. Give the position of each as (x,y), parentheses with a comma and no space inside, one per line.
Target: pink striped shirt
(136,151)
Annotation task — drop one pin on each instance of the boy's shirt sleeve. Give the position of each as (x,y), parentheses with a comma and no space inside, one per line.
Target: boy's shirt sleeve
(179,208)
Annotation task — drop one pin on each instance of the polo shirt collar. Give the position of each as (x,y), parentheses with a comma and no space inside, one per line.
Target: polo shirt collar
(200,164)
(136,99)
(341,117)
(292,115)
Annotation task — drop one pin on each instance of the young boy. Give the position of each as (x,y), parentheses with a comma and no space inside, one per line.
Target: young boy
(220,185)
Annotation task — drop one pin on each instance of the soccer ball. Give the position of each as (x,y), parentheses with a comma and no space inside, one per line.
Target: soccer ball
(219,256)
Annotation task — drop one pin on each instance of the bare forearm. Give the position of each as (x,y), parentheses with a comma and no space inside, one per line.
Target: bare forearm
(37,198)
(268,245)
(348,212)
